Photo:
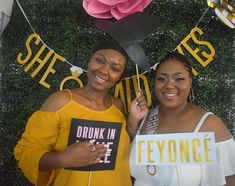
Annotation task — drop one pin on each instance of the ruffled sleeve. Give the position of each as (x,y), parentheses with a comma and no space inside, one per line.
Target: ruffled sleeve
(215,174)
(38,138)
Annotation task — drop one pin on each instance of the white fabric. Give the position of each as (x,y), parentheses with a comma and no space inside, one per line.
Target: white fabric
(6,6)
(214,175)
(188,175)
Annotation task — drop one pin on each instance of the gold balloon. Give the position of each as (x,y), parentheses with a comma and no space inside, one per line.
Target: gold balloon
(212,3)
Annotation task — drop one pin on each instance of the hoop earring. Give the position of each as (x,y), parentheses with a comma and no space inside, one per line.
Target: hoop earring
(155,101)
(191,96)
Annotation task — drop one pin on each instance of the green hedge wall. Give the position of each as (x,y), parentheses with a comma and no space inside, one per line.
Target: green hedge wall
(66,28)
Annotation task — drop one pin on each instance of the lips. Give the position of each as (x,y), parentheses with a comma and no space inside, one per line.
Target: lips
(100,79)
(170,96)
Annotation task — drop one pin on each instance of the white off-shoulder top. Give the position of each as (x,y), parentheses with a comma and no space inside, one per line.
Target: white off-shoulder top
(188,175)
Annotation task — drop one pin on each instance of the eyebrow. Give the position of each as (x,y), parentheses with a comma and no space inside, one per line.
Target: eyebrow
(114,62)
(176,73)
(173,75)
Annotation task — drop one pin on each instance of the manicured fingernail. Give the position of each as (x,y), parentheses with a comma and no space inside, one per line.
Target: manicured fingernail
(92,141)
(93,148)
(105,146)
(101,161)
(139,93)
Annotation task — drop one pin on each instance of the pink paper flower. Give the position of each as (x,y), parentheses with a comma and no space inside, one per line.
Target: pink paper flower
(114,8)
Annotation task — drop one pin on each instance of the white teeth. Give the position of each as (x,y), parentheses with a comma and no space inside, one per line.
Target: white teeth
(170,95)
(100,79)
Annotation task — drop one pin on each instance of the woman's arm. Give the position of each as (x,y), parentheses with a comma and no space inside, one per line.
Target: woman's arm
(78,154)
(34,151)
(137,111)
(230,180)
(215,124)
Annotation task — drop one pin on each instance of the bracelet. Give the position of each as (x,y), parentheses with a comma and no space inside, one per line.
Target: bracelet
(131,132)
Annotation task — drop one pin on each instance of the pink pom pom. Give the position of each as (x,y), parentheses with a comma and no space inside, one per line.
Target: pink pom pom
(114,8)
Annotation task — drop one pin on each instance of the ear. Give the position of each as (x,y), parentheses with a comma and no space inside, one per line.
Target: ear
(88,65)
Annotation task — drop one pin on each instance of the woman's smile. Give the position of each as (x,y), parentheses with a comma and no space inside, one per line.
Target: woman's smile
(100,79)
(170,96)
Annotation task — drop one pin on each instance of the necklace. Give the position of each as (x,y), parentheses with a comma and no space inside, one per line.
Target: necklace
(151,128)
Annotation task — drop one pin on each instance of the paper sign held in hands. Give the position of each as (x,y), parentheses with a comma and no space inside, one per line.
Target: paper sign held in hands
(176,149)
(102,132)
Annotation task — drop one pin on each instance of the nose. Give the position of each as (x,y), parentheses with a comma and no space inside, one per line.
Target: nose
(170,84)
(105,69)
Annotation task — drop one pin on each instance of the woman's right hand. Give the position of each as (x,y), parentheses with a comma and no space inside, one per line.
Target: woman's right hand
(78,154)
(82,154)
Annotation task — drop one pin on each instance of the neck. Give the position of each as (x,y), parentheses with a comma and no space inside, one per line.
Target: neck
(95,95)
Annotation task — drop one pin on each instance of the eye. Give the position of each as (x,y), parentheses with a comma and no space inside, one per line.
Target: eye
(114,69)
(160,79)
(99,60)
(180,79)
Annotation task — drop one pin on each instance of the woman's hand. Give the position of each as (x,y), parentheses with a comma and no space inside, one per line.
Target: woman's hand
(139,106)
(82,154)
(138,110)
(78,154)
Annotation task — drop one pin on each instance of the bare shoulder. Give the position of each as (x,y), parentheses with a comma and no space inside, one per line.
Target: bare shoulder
(119,104)
(56,101)
(215,124)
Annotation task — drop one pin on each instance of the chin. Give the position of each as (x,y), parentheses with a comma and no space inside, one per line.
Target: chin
(100,87)
(171,105)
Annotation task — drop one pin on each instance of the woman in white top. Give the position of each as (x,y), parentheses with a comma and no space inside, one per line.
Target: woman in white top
(177,114)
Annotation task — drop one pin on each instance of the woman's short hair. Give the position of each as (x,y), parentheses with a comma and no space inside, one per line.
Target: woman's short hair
(109,44)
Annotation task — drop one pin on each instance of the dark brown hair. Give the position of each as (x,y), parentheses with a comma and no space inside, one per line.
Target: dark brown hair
(178,57)
(109,44)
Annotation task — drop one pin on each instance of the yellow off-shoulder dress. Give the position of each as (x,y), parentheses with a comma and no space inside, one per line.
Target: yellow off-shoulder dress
(49,131)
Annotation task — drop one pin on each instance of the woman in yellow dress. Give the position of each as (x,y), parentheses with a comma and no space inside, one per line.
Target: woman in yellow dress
(46,152)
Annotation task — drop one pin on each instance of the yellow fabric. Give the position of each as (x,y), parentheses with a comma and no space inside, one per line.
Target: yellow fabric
(46,131)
